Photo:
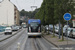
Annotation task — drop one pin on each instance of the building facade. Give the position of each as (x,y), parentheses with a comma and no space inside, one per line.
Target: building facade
(9,14)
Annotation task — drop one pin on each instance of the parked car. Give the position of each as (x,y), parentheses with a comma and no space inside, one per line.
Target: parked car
(66,26)
(56,29)
(51,28)
(69,30)
(72,34)
(20,27)
(14,29)
(17,27)
(13,26)
(46,28)
(8,30)
(64,31)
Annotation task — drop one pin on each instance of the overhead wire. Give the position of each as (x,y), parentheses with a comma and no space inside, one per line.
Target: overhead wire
(34,3)
(18,4)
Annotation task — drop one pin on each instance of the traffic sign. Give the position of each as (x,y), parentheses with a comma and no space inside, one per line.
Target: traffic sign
(67,16)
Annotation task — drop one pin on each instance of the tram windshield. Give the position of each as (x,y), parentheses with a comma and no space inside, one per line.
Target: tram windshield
(34,24)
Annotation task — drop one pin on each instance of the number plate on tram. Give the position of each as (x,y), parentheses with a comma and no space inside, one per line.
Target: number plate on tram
(34,35)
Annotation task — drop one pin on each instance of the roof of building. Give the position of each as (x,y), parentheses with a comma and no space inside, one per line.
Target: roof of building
(10,2)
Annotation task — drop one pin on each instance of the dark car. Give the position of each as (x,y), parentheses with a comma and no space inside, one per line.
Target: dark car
(14,29)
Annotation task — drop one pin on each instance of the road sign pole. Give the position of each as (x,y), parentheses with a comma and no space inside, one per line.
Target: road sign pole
(67,33)
(67,17)
(59,29)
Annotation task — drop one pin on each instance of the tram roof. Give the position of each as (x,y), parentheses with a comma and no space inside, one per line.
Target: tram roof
(34,20)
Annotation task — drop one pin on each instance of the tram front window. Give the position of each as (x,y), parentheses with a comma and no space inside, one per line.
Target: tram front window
(34,24)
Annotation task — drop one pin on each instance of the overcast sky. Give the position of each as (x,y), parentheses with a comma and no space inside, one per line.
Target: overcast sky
(26,4)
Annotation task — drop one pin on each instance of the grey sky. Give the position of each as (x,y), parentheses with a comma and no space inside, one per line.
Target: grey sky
(26,4)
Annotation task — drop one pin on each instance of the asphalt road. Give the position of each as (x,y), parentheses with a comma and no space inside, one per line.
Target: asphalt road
(20,41)
(3,36)
(38,44)
(11,43)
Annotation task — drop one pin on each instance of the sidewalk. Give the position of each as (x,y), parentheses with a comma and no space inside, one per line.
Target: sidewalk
(58,43)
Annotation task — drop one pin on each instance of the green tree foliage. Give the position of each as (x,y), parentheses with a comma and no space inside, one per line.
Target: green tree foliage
(51,11)
(30,14)
(66,6)
(22,12)
(46,13)
(41,13)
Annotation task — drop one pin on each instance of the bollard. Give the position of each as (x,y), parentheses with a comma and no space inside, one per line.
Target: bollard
(18,46)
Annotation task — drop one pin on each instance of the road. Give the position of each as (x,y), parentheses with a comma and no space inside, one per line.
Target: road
(20,41)
(2,36)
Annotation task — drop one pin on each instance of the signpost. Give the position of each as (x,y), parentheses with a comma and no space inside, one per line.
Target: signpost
(67,17)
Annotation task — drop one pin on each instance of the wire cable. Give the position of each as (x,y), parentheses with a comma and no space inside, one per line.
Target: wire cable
(34,3)
(18,4)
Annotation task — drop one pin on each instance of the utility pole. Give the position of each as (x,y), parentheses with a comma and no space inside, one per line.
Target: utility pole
(59,24)
(59,29)
(33,7)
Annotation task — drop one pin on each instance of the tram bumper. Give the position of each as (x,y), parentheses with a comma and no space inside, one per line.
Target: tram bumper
(34,34)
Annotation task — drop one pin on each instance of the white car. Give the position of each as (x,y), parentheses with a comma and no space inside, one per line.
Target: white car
(64,31)
(14,29)
(56,29)
(17,27)
(66,26)
(72,34)
(8,30)
(69,31)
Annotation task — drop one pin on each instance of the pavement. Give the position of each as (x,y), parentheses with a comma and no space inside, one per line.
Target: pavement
(58,43)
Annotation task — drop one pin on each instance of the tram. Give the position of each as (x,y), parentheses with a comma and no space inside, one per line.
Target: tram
(34,27)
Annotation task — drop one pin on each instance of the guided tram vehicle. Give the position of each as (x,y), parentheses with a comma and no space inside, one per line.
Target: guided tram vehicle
(34,27)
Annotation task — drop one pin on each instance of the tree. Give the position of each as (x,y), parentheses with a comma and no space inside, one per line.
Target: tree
(64,6)
(22,12)
(41,13)
(30,14)
(51,11)
(49,19)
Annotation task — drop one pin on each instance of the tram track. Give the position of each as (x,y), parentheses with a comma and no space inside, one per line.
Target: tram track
(38,44)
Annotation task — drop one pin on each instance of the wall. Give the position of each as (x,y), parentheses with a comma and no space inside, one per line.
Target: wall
(6,13)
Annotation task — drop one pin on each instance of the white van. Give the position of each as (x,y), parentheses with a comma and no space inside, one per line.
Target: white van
(8,30)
